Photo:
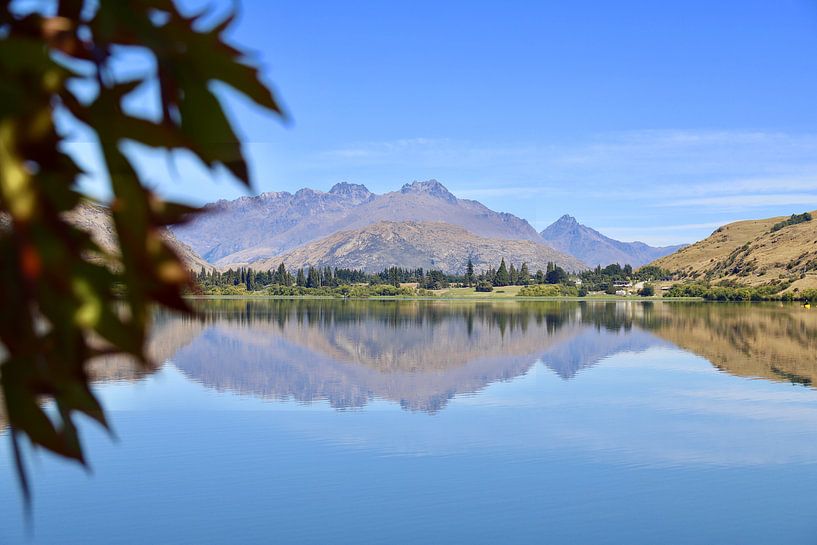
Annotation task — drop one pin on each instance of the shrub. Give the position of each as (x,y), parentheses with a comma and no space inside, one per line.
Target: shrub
(794,219)
(647,291)
(485,286)
(540,290)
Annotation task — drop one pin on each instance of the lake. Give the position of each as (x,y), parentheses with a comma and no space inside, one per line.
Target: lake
(397,422)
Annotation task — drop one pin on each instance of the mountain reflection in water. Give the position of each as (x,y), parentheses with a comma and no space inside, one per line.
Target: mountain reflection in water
(423,353)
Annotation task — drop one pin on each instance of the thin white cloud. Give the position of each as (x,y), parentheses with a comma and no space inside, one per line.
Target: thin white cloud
(737,201)
(682,228)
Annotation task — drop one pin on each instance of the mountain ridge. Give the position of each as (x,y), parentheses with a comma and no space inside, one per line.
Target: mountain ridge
(430,245)
(249,229)
(568,235)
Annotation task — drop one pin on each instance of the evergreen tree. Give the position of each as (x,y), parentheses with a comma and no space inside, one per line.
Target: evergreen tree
(513,275)
(249,280)
(325,276)
(469,273)
(280,275)
(556,276)
(300,280)
(524,275)
(313,278)
(502,277)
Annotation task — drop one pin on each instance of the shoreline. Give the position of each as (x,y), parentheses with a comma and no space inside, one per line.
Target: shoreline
(468,298)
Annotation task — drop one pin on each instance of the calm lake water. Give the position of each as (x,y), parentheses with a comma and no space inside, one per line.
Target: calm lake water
(317,422)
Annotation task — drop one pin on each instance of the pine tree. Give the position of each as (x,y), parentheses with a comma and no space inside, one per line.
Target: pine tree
(512,275)
(524,275)
(281,275)
(313,278)
(502,277)
(469,273)
(300,281)
(249,280)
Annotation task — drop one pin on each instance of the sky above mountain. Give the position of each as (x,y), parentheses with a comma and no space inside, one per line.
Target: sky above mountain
(656,121)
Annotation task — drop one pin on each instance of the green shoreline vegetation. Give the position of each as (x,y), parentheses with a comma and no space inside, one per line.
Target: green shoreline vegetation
(502,282)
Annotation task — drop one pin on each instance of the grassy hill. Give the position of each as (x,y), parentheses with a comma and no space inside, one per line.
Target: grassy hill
(752,253)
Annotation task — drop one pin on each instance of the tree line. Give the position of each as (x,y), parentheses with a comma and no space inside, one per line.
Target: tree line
(505,274)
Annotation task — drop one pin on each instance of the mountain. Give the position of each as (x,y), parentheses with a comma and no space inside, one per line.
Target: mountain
(96,220)
(430,245)
(570,236)
(252,228)
(752,253)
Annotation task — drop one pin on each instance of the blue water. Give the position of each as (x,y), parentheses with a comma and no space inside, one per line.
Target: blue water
(383,422)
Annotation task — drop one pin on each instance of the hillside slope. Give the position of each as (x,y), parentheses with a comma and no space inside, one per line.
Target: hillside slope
(252,228)
(430,245)
(96,220)
(750,253)
(570,236)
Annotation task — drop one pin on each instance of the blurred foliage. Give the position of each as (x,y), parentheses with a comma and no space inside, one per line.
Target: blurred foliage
(60,305)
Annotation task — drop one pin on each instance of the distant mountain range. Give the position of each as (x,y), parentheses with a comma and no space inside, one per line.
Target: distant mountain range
(423,223)
(252,228)
(411,244)
(570,236)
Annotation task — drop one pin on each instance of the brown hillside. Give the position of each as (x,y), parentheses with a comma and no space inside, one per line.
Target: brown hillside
(748,252)
(96,220)
(430,245)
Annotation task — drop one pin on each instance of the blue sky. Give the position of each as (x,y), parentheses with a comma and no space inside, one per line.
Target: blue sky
(655,121)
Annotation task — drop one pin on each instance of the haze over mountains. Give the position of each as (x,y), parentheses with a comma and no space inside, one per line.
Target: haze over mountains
(250,228)
(569,236)
(422,224)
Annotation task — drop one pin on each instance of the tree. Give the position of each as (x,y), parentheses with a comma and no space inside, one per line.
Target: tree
(313,278)
(249,280)
(300,279)
(280,276)
(502,277)
(51,272)
(434,280)
(524,275)
(556,275)
(647,291)
(469,273)
(513,276)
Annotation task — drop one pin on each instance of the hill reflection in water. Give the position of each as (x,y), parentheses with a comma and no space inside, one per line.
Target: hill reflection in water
(421,354)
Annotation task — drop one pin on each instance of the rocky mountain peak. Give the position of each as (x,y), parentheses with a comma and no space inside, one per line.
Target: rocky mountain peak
(429,187)
(354,191)
(570,236)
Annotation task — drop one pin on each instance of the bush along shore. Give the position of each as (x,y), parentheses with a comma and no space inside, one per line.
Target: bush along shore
(720,292)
